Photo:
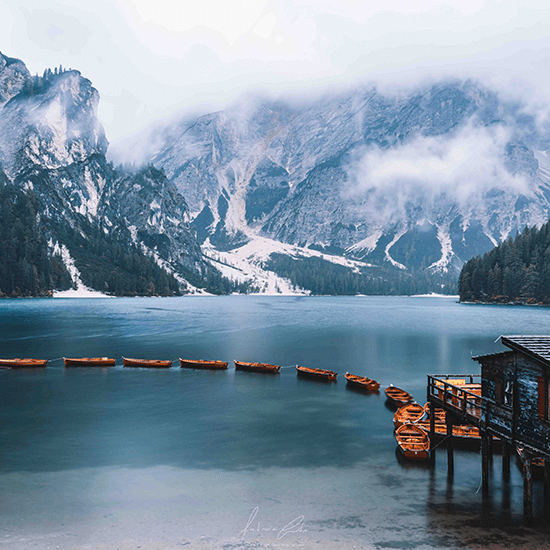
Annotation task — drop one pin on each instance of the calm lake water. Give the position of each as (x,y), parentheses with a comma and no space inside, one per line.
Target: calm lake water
(122,458)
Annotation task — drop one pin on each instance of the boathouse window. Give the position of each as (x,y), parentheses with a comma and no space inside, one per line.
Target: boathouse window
(543,398)
(508,394)
(504,392)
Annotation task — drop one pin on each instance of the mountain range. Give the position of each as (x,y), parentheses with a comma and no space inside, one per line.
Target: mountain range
(381,192)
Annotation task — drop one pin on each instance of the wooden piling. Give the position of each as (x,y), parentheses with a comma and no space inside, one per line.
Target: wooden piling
(485,462)
(547,482)
(505,460)
(450,456)
(432,422)
(432,432)
(527,488)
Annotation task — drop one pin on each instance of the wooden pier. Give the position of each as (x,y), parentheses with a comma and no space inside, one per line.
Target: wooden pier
(509,400)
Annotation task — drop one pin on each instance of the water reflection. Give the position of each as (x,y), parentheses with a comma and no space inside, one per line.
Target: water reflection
(457,509)
(361,391)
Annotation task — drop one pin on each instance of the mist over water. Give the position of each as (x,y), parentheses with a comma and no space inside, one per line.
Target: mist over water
(118,457)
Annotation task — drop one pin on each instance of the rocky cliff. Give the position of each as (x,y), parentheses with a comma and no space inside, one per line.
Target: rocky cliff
(53,145)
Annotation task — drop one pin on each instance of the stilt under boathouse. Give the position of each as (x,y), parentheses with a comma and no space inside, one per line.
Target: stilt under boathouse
(510,401)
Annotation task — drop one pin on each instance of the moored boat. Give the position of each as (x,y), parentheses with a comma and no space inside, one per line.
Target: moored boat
(257,367)
(439,428)
(362,382)
(18,363)
(148,363)
(413,442)
(398,396)
(440,415)
(321,374)
(413,412)
(89,361)
(202,364)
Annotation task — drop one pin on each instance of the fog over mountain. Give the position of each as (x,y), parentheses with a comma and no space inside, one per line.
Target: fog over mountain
(150,60)
(397,190)
(418,180)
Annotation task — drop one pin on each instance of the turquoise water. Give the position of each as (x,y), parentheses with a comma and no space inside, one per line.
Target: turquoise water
(120,457)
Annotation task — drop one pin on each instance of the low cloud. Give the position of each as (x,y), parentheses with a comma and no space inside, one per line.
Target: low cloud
(431,170)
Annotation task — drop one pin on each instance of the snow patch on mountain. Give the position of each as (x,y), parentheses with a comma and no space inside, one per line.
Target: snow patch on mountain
(543,171)
(366,245)
(387,255)
(80,290)
(246,263)
(446,251)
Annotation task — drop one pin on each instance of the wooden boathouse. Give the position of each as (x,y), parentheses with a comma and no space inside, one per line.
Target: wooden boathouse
(510,401)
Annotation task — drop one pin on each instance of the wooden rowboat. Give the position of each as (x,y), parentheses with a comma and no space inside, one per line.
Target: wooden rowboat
(202,364)
(22,363)
(440,415)
(440,429)
(362,382)
(89,362)
(413,412)
(150,363)
(397,396)
(413,442)
(320,374)
(257,367)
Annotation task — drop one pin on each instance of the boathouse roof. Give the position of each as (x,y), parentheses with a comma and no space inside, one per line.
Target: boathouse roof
(537,347)
(503,354)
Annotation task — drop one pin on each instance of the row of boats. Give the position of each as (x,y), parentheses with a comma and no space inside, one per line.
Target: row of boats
(322,374)
(411,420)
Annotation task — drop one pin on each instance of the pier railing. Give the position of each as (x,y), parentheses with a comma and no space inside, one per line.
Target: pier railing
(460,394)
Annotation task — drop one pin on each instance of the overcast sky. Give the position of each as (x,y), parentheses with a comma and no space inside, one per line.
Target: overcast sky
(151,58)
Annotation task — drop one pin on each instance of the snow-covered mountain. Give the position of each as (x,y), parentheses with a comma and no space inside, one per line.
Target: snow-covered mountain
(416,181)
(52,144)
(353,186)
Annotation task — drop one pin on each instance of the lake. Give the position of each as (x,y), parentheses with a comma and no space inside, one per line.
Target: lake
(126,458)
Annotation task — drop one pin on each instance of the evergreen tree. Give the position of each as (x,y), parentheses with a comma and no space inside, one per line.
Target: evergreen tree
(27,268)
(517,270)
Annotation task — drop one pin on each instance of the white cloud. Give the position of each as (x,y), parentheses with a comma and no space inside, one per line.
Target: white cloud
(231,20)
(177,54)
(432,170)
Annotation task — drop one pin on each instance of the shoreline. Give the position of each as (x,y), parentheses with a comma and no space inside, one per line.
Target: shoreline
(98,295)
(514,304)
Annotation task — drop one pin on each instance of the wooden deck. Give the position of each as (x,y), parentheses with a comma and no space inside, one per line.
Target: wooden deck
(460,396)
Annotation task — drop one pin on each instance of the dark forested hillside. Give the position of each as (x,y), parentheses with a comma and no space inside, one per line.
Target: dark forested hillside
(27,268)
(322,277)
(517,270)
(106,262)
